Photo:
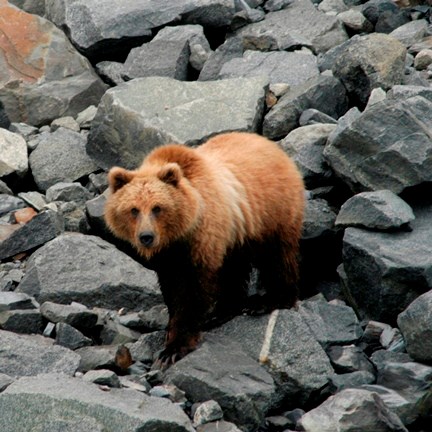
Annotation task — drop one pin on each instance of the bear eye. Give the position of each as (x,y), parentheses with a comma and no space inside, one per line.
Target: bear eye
(156,210)
(134,212)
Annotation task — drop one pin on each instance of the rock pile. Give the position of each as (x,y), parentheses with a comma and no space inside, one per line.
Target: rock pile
(343,85)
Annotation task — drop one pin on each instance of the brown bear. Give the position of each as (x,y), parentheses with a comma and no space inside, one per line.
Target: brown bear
(202,217)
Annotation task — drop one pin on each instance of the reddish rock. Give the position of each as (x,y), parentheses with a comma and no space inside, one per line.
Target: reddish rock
(24,215)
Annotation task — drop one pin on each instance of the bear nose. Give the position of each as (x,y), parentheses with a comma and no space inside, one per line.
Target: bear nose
(146,238)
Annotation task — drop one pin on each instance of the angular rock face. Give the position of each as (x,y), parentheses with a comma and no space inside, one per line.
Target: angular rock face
(120,281)
(75,405)
(35,88)
(388,146)
(161,110)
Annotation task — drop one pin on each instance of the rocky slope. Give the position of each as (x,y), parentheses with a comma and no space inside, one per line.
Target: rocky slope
(343,86)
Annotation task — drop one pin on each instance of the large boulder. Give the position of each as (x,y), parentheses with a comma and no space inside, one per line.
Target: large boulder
(388,146)
(89,270)
(43,76)
(141,114)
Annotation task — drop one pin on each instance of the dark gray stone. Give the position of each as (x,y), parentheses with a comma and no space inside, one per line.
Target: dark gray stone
(42,228)
(160,110)
(9,203)
(312,116)
(70,337)
(70,404)
(29,321)
(14,300)
(68,192)
(22,355)
(97,357)
(60,157)
(347,359)
(220,371)
(102,377)
(88,270)
(350,380)
(319,219)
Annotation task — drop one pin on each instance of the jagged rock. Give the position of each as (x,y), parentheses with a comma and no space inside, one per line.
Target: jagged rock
(34,199)
(32,355)
(388,146)
(60,157)
(9,203)
(42,228)
(324,93)
(300,24)
(27,321)
(85,117)
(220,371)
(292,68)
(207,412)
(31,6)
(65,122)
(305,145)
(349,408)
(97,357)
(355,21)
(331,324)
(415,325)
(115,333)
(380,210)
(102,377)
(339,382)
(411,32)
(5,381)
(73,404)
(94,32)
(312,116)
(384,15)
(159,110)
(88,270)
(319,219)
(75,218)
(70,337)
(298,364)
(68,192)
(13,152)
(44,76)
(386,272)
(347,359)
(219,426)
(147,61)
(147,346)
(13,301)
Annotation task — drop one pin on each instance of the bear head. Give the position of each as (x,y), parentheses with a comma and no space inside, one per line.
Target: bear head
(151,207)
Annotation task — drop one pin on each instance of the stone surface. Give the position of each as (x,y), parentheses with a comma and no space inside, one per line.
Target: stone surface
(99,275)
(13,153)
(43,76)
(68,192)
(72,404)
(161,110)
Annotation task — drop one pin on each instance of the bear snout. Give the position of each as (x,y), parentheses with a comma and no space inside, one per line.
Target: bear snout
(146,238)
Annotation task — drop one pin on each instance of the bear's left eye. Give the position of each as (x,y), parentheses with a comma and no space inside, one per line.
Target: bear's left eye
(134,212)
(156,210)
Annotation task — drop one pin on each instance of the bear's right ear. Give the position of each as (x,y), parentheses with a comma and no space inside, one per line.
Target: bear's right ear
(118,177)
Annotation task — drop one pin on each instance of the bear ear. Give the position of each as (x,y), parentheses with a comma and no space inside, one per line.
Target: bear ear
(118,177)
(170,173)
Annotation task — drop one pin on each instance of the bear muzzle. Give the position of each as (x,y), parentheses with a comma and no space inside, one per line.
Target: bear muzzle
(147,238)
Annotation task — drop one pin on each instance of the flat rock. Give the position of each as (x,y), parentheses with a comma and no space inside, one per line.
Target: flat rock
(160,110)
(14,300)
(44,227)
(44,77)
(91,271)
(299,24)
(13,152)
(344,411)
(381,210)
(221,371)
(70,404)
(31,355)
(28,321)
(387,146)
(297,363)
(291,68)
(60,157)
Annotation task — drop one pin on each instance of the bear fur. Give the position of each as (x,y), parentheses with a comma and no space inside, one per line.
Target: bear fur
(202,217)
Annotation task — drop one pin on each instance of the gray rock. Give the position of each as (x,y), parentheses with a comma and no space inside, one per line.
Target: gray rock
(115,333)
(85,117)
(207,412)
(230,49)
(75,218)
(312,116)
(9,203)
(161,110)
(347,359)
(331,324)
(349,408)
(34,199)
(95,209)
(292,68)
(300,24)
(380,210)
(65,122)
(111,72)
(155,318)
(319,219)
(415,324)
(70,337)
(324,93)
(13,153)
(70,404)
(387,147)
(88,270)
(305,145)
(386,272)
(31,6)
(385,15)
(42,228)
(5,381)
(147,60)
(298,364)
(355,21)
(68,192)
(75,314)
(60,157)
(14,300)
(51,79)
(366,62)
(27,321)
(411,32)
(350,380)
(32,355)
(147,346)
(219,426)
(97,357)
(220,371)
(102,377)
